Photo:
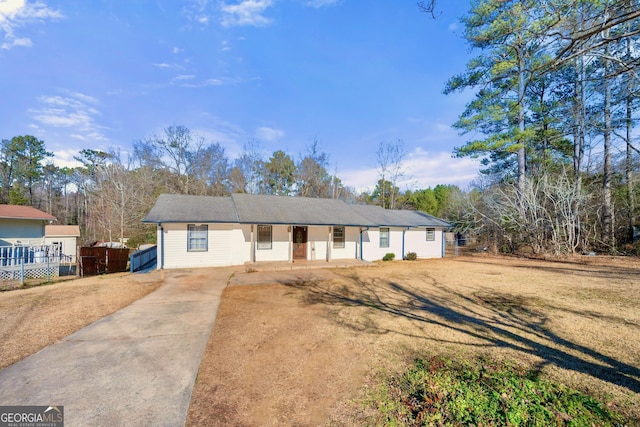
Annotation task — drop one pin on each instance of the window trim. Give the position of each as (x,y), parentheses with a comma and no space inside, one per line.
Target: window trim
(387,238)
(192,236)
(339,243)
(431,234)
(264,245)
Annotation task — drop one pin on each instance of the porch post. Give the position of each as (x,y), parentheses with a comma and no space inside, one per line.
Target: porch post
(252,255)
(290,231)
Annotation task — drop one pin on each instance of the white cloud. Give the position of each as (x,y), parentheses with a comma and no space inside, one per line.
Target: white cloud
(422,169)
(197,11)
(268,134)
(165,65)
(320,3)
(65,158)
(246,13)
(18,13)
(75,111)
(216,81)
(184,77)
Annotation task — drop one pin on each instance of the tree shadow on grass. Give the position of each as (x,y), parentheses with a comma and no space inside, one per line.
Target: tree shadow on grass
(490,318)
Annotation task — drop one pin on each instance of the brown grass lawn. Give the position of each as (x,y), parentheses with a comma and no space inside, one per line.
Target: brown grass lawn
(33,318)
(303,347)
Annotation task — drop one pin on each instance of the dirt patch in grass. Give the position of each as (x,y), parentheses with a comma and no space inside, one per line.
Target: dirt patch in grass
(303,347)
(33,318)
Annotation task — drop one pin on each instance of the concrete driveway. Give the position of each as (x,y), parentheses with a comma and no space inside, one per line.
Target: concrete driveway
(135,367)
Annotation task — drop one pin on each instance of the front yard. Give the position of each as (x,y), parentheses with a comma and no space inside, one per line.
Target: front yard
(310,347)
(305,347)
(31,319)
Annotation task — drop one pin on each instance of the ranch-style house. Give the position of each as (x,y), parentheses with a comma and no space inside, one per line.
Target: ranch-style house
(203,231)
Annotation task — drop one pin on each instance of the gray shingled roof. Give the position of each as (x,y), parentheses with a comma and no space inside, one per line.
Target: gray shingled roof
(264,209)
(399,218)
(183,208)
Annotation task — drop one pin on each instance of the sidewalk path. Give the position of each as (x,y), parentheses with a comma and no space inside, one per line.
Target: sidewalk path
(135,367)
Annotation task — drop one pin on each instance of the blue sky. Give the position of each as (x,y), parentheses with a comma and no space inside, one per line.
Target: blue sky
(103,73)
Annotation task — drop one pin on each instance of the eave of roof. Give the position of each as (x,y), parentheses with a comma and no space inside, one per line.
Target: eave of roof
(24,212)
(281,210)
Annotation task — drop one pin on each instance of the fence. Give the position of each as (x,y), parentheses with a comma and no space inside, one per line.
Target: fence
(140,260)
(31,262)
(100,260)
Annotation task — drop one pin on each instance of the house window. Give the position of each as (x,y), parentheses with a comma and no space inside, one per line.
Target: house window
(338,237)
(431,234)
(264,237)
(197,236)
(384,237)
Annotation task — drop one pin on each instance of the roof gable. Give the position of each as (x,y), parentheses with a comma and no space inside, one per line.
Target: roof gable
(24,212)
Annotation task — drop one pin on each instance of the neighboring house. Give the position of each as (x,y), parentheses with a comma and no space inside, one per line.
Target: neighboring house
(22,225)
(65,237)
(202,231)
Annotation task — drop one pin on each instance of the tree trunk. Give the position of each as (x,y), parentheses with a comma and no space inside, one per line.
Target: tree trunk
(608,235)
(629,159)
(521,128)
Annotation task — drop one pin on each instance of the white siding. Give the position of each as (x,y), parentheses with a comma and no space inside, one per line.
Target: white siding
(371,243)
(416,241)
(280,246)
(23,230)
(230,244)
(218,251)
(317,245)
(68,245)
(241,244)
(351,245)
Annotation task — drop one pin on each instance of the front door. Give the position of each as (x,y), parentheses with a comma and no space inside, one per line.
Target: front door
(299,242)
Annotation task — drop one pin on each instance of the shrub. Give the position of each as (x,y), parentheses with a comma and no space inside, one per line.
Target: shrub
(440,391)
(411,256)
(388,256)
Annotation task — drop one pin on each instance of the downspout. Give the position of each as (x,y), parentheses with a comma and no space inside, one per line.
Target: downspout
(403,231)
(161,265)
(443,243)
(361,230)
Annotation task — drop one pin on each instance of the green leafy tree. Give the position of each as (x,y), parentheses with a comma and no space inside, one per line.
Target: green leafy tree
(22,168)
(423,200)
(280,173)
(312,178)
(508,35)
(383,193)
